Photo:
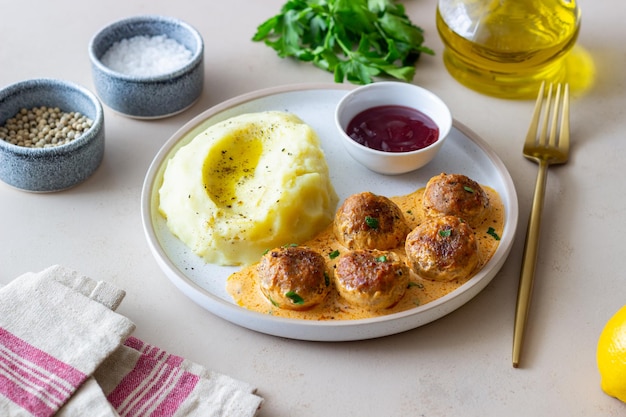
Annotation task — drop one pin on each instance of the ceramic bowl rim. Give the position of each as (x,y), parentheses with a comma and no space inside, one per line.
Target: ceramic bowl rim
(197,53)
(53,84)
(443,133)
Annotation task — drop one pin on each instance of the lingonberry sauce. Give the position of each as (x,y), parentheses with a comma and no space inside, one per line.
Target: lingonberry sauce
(393,129)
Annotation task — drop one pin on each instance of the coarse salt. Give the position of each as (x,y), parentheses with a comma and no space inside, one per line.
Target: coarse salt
(146,55)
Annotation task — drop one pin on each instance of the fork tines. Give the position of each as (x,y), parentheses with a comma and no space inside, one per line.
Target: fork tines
(555,116)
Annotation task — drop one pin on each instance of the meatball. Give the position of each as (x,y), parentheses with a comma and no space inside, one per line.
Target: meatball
(294,277)
(442,248)
(457,195)
(369,221)
(370,278)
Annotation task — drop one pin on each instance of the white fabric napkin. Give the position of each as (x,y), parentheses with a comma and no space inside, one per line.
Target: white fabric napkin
(65,352)
(52,339)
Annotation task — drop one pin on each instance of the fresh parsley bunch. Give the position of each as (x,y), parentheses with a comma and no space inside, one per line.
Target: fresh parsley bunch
(354,39)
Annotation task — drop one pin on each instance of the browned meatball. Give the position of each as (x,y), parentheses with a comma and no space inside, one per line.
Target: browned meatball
(371,279)
(457,195)
(442,249)
(369,221)
(294,277)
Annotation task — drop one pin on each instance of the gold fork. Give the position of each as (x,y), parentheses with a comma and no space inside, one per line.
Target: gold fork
(546,145)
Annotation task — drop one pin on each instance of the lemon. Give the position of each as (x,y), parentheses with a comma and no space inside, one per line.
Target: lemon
(611,356)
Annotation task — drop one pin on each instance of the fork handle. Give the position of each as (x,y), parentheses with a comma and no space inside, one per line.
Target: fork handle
(529,261)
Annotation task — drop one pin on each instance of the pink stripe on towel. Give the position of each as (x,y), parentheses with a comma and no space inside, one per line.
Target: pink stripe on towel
(153,351)
(177,395)
(25,399)
(152,388)
(33,379)
(135,343)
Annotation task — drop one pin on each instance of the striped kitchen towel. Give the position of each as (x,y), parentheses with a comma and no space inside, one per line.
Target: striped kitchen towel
(65,352)
(52,339)
(142,380)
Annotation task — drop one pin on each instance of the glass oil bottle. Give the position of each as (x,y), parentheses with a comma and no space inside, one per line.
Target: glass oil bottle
(506,48)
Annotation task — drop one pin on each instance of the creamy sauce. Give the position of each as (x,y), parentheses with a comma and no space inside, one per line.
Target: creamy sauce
(243,285)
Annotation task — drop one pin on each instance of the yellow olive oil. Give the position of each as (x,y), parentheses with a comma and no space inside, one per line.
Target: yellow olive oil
(505,48)
(230,165)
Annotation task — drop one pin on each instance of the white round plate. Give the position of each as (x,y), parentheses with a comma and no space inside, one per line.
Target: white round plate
(205,284)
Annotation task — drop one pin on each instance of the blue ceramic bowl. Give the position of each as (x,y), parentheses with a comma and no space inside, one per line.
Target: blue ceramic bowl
(148,97)
(59,167)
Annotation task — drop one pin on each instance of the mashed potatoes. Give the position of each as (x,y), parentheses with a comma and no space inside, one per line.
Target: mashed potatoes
(246,185)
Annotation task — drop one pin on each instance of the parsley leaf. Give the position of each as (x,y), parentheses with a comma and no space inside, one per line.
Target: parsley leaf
(356,40)
(274,303)
(492,232)
(371,222)
(294,297)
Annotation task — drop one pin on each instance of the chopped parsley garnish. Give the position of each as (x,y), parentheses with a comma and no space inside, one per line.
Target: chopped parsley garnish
(274,303)
(382,258)
(333,254)
(372,222)
(294,297)
(445,232)
(492,232)
(468,189)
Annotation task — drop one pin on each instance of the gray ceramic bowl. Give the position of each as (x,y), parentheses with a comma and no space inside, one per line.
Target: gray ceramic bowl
(154,96)
(53,168)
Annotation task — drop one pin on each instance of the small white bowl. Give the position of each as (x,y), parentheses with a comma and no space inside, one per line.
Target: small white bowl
(392,93)
(148,96)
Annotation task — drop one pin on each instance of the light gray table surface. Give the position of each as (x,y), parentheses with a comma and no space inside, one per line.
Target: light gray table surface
(459,365)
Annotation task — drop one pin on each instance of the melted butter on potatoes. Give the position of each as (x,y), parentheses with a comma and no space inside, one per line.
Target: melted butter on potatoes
(251,182)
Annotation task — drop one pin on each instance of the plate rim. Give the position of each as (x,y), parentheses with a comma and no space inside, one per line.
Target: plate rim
(301,329)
